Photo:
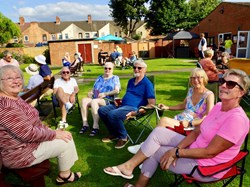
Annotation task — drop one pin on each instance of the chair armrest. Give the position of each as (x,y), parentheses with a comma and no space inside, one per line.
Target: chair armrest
(211,170)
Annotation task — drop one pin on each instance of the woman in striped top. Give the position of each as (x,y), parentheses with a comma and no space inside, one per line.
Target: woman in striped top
(25,141)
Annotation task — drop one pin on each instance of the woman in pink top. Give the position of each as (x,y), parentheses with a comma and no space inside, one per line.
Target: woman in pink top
(217,140)
(209,66)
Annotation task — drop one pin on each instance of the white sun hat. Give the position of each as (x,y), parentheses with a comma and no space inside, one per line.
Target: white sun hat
(32,69)
(41,59)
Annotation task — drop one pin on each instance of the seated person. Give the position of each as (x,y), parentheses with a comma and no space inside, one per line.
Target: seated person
(102,57)
(34,80)
(140,92)
(65,90)
(120,61)
(131,59)
(114,55)
(209,66)
(74,65)
(66,60)
(223,61)
(217,140)
(26,140)
(104,90)
(8,59)
(45,72)
(197,104)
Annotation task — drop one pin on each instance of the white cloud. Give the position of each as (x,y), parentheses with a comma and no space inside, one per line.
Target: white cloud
(66,11)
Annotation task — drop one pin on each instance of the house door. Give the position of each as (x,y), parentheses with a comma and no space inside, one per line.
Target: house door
(243,44)
(85,50)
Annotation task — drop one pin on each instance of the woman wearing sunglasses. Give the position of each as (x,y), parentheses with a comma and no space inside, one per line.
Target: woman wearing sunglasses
(217,140)
(104,90)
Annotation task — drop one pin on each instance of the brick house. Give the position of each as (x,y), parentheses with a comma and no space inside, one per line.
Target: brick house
(226,20)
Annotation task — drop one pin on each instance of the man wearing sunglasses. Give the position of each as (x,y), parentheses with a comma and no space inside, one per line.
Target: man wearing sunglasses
(8,59)
(65,89)
(140,92)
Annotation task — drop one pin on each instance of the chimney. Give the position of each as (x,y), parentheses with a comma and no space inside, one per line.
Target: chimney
(58,21)
(89,19)
(21,20)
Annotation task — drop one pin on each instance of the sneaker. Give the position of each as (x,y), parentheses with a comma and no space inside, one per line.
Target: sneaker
(109,139)
(83,129)
(121,143)
(134,148)
(94,132)
(68,106)
(62,125)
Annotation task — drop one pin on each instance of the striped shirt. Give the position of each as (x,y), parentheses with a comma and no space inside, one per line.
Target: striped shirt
(21,132)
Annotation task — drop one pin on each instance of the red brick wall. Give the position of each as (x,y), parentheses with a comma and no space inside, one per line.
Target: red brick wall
(227,17)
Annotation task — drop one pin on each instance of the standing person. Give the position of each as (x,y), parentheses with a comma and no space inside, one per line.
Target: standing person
(65,90)
(140,92)
(217,140)
(104,90)
(8,59)
(228,45)
(25,141)
(202,46)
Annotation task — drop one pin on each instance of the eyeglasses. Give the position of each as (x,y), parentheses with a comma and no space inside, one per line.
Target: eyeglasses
(11,79)
(107,68)
(139,68)
(65,72)
(197,77)
(229,84)
(8,56)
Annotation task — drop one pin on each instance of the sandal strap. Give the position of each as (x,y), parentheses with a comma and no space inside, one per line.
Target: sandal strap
(66,179)
(76,177)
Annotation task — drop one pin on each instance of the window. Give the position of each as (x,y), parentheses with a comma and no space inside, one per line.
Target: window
(66,36)
(80,35)
(116,34)
(53,36)
(210,41)
(44,37)
(59,36)
(26,38)
(87,35)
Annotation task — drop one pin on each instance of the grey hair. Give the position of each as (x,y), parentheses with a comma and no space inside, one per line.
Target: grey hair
(6,52)
(4,70)
(141,63)
(199,72)
(245,81)
(109,64)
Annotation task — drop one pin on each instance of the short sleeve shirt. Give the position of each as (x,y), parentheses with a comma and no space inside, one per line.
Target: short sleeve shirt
(34,81)
(67,86)
(44,70)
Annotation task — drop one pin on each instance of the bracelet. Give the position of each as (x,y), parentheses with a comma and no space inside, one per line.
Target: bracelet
(177,153)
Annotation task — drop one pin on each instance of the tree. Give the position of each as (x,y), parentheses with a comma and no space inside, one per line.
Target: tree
(8,29)
(127,13)
(166,16)
(199,9)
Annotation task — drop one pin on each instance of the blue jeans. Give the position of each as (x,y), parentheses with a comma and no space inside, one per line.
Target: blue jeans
(113,118)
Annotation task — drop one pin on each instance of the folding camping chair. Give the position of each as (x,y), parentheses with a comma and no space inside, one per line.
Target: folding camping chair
(56,104)
(236,167)
(144,120)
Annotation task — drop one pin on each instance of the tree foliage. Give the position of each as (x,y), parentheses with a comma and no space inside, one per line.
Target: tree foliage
(8,29)
(199,9)
(166,16)
(127,13)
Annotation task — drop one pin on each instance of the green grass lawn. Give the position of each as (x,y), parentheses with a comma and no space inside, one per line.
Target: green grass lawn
(94,155)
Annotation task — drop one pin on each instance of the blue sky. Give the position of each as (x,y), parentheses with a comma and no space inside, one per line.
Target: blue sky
(67,10)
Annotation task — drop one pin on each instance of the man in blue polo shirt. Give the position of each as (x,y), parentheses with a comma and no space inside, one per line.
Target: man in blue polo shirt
(140,92)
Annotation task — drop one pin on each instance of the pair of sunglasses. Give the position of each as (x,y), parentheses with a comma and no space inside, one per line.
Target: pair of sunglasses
(229,84)
(107,68)
(65,72)
(139,68)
